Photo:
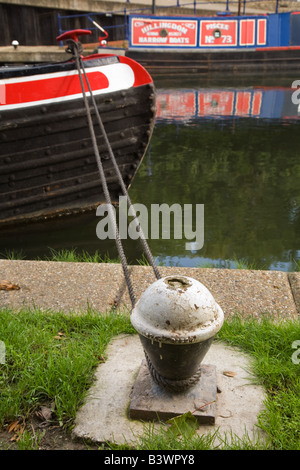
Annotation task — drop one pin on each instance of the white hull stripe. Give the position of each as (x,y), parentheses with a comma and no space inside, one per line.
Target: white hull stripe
(112,77)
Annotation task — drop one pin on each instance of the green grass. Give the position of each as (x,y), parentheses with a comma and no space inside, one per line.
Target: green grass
(50,358)
(72,255)
(277,367)
(13,255)
(239,263)
(243,263)
(296,264)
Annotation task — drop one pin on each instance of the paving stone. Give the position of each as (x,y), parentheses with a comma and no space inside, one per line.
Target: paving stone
(60,285)
(104,415)
(246,292)
(77,286)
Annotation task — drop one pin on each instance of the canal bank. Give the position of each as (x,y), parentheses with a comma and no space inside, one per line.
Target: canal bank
(77,287)
(264,40)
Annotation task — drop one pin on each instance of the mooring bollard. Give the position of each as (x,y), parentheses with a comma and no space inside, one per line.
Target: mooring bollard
(176,319)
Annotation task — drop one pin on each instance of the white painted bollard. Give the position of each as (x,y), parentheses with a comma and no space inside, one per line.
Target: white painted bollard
(177,319)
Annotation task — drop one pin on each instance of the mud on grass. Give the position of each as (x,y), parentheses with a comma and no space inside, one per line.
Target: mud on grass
(39,434)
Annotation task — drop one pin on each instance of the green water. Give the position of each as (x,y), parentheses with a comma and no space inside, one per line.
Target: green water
(245,170)
(245,173)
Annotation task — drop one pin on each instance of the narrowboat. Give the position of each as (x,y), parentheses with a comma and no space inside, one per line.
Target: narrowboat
(47,163)
(248,45)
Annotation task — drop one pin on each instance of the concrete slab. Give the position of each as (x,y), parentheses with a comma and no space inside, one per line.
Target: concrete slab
(76,286)
(236,290)
(104,416)
(60,285)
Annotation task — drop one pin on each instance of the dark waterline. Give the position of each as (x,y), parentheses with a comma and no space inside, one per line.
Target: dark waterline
(232,148)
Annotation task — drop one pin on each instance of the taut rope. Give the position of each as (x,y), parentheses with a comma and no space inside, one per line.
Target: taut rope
(74,48)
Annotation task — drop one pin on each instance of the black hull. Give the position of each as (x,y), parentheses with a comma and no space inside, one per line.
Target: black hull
(47,163)
(234,63)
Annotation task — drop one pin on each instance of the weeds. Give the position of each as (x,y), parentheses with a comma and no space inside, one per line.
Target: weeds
(13,255)
(270,344)
(73,256)
(235,263)
(51,357)
(296,264)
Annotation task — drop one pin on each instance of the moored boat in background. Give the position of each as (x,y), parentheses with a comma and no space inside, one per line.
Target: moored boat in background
(248,45)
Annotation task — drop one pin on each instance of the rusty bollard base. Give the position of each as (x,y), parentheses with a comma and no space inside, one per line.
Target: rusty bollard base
(151,402)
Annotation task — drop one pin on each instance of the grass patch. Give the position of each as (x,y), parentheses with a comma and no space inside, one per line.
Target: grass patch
(277,367)
(51,357)
(235,263)
(13,255)
(296,265)
(73,256)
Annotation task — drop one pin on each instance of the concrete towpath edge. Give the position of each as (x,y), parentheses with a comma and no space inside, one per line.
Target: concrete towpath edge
(76,287)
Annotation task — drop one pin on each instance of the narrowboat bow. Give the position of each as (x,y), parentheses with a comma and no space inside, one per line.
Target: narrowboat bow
(47,164)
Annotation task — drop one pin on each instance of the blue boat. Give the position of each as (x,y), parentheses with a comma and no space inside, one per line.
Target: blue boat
(252,44)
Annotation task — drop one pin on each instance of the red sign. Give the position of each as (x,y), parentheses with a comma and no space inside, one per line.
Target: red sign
(216,103)
(242,104)
(218,33)
(167,32)
(229,103)
(181,106)
(261,32)
(256,103)
(247,32)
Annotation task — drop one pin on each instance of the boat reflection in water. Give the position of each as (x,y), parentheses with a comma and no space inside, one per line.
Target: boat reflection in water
(236,151)
(260,102)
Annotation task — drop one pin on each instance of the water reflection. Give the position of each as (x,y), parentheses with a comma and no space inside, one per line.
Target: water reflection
(215,103)
(235,150)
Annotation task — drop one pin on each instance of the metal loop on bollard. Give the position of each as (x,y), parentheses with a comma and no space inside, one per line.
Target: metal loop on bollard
(172,385)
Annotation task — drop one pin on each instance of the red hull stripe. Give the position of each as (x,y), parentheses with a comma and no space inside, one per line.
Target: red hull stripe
(48,89)
(41,89)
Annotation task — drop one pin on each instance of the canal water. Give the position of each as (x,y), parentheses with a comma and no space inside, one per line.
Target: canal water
(233,148)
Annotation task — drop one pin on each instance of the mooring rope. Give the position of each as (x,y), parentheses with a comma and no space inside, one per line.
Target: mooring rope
(74,47)
(142,238)
(171,384)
